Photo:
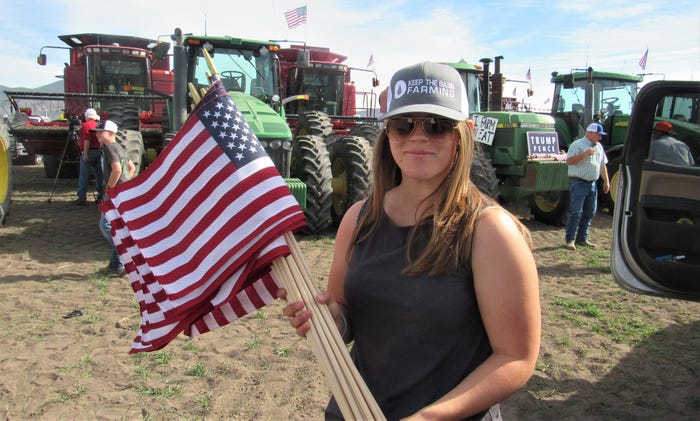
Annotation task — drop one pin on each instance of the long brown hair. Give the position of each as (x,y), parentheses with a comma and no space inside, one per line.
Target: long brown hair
(457,206)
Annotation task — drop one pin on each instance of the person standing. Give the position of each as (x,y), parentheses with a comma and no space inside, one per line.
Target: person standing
(434,282)
(117,169)
(90,157)
(586,161)
(666,148)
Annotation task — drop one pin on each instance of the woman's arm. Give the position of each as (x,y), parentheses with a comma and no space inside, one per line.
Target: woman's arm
(507,291)
(334,295)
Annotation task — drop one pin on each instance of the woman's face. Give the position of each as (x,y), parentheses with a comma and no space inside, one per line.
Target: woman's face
(423,145)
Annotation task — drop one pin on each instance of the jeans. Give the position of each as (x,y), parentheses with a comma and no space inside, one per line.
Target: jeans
(94,162)
(583,197)
(115,262)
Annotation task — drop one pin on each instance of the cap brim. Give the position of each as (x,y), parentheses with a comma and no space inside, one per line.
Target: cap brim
(427,109)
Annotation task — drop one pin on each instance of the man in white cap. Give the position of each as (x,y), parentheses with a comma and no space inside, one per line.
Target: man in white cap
(118,168)
(586,162)
(90,157)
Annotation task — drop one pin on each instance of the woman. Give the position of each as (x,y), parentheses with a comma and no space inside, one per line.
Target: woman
(435,283)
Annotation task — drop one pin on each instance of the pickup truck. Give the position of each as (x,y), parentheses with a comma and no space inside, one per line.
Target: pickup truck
(656,228)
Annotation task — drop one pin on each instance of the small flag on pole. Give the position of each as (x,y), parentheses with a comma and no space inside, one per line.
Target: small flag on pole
(370,63)
(643,60)
(295,17)
(198,230)
(515,91)
(527,75)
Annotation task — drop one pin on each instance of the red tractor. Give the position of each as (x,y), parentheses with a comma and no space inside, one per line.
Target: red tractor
(126,79)
(321,99)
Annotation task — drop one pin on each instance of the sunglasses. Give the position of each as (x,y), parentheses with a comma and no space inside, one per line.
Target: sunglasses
(432,126)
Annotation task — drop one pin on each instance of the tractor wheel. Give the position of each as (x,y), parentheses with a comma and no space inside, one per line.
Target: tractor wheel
(607,201)
(368,131)
(167,138)
(311,164)
(313,123)
(132,141)
(550,207)
(126,116)
(351,158)
(69,169)
(483,174)
(5,176)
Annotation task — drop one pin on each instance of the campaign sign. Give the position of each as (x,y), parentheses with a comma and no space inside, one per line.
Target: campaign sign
(542,143)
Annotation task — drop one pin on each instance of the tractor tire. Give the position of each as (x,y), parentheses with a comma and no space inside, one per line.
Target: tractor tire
(69,169)
(351,159)
(5,176)
(126,116)
(368,131)
(132,141)
(551,207)
(483,174)
(313,123)
(311,164)
(607,201)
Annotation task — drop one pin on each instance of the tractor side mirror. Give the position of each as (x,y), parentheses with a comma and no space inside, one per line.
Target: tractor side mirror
(375,82)
(41,59)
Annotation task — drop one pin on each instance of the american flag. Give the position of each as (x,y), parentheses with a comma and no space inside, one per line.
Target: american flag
(198,230)
(643,60)
(295,17)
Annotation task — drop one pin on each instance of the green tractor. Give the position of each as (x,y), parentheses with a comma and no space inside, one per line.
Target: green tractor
(249,70)
(581,97)
(518,157)
(5,173)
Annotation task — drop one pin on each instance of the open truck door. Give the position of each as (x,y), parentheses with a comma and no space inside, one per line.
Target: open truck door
(656,230)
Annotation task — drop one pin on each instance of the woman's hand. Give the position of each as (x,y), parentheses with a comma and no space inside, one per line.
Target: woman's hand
(300,315)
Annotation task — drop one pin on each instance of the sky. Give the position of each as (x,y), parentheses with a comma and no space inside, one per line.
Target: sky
(558,36)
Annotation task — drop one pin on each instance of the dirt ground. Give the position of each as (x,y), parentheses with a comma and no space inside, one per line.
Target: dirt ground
(606,353)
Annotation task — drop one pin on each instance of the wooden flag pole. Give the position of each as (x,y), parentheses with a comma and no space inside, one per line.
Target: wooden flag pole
(346,384)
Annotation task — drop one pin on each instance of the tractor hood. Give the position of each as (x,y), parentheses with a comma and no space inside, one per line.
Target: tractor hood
(265,122)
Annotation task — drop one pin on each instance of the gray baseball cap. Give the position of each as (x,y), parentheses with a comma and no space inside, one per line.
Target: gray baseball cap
(430,88)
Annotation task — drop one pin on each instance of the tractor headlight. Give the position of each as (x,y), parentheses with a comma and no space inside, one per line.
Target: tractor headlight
(287,145)
(276,144)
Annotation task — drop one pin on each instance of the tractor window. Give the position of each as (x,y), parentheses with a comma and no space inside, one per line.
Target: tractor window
(325,90)
(117,74)
(614,97)
(241,70)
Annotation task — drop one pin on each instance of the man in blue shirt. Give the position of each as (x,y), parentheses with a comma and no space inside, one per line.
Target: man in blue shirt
(586,162)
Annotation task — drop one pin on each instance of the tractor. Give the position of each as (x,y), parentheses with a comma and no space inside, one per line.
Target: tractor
(584,96)
(517,155)
(333,109)
(5,173)
(249,71)
(126,79)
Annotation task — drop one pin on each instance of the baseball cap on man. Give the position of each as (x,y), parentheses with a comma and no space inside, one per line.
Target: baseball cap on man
(596,128)
(106,125)
(91,114)
(663,126)
(430,88)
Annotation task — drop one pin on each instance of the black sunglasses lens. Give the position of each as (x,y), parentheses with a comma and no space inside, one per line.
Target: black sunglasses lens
(438,125)
(403,126)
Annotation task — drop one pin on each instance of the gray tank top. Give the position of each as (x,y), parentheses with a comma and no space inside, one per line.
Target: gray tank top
(415,338)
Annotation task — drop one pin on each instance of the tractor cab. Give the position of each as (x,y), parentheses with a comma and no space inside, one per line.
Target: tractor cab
(582,97)
(246,67)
